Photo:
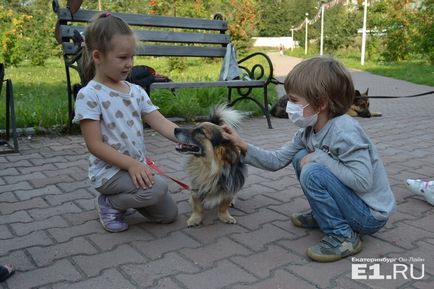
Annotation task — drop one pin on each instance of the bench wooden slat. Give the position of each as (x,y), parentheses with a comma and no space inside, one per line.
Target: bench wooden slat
(148,20)
(162,50)
(67,31)
(230,83)
(182,37)
(189,51)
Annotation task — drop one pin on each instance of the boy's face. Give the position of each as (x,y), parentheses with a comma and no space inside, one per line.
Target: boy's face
(308,109)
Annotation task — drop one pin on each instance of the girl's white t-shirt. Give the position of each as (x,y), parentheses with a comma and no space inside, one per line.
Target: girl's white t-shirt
(121,120)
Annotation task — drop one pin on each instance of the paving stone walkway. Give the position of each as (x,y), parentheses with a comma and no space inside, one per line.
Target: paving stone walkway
(49,227)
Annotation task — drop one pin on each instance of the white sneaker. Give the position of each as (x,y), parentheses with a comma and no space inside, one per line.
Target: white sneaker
(422,188)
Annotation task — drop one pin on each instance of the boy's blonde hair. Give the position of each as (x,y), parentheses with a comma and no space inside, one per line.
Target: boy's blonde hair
(322,80)
(98,36)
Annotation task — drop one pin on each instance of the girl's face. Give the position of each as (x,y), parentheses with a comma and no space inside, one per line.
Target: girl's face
(115,64)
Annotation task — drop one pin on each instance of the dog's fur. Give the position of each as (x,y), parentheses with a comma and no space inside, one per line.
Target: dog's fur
(214,167)
(360,106)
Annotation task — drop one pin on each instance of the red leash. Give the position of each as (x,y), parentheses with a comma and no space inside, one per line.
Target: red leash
(157,169)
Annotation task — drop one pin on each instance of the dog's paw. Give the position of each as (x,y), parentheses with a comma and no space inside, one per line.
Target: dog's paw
(228,219)
(194,221)
(376,114)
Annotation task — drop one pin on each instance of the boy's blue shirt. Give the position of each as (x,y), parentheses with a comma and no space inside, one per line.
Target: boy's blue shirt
(343,147)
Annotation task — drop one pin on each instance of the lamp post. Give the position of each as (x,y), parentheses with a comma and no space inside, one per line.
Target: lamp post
(365,16)
(305,39)
(292,38)
(322,29)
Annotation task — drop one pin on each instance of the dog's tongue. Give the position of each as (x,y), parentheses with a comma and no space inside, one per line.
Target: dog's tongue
(186,147)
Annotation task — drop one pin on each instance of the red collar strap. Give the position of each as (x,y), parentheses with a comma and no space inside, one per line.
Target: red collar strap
(158,170)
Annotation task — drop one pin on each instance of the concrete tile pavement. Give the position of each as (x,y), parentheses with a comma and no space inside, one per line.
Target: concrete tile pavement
(49,228)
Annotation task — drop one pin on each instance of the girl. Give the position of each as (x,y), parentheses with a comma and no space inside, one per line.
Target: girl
(337,165)
(111,112)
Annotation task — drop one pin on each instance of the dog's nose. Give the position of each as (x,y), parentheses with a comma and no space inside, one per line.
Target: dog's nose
(365,113)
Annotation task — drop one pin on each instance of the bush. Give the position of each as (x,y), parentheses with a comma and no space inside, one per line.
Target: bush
(21,41)
(12,36)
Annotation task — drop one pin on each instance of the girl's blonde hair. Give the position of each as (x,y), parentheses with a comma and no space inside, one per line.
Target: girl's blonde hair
(322,80)
(98,36)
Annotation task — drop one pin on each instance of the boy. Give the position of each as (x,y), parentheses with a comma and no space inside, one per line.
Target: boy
(338,166)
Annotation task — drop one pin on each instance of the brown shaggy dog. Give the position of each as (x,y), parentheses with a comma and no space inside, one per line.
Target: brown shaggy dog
(214,167)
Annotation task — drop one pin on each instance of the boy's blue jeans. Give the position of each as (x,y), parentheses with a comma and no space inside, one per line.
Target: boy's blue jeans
(335,207)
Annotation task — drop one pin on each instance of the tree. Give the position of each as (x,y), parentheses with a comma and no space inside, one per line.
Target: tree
(241,18)
(425,24)
(340,27)
(274,18)
(278,16)
(400,29)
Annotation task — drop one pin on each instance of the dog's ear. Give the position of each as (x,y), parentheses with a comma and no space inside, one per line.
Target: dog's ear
(283,100)
(366,92)
(357,93)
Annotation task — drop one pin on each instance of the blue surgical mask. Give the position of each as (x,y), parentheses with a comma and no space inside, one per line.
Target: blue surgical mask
(295,114)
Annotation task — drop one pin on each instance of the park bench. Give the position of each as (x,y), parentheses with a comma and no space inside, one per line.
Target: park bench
(164,36)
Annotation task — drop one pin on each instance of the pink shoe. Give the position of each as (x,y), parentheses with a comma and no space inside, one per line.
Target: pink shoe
(111,219)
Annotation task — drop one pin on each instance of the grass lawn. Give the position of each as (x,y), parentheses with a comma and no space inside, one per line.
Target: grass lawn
(41,98)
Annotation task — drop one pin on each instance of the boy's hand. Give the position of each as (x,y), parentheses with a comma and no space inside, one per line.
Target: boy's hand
(231,135)
(306,159)
(141,175)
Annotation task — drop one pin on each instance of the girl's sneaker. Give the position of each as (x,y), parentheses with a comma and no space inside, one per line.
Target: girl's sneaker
(112,220)
(422,188)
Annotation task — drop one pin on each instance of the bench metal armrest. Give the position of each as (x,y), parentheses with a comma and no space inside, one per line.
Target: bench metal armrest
(257,71)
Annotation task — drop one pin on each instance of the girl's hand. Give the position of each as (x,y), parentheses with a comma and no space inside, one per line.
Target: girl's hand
(141,175)
(231,135)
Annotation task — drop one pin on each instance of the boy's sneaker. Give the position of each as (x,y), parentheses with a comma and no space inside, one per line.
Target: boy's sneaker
(332,248)
(111,219)
(422,188)
(304,220)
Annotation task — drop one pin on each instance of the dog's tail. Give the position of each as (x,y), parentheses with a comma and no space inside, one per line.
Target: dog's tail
(223,114)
